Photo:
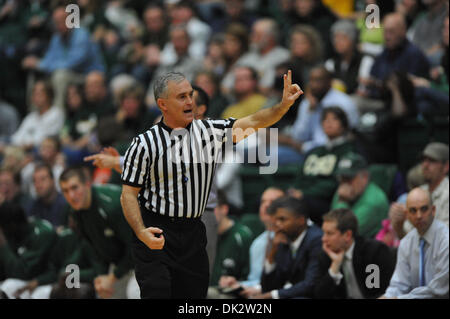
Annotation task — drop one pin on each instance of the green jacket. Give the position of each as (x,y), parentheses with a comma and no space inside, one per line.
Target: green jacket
(317,172)
(104,228)
(370,209)
(70,249)
(232,255)
(28,258)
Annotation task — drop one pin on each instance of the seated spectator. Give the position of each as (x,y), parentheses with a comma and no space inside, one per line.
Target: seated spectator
(307,129)
(217,101)
(132,115)
(307,50)
(426,30)
(315,14)
(249,100)
(433,93)
(49,204)
(349,66)
(98,217)
(70,55)
(411,9)
(356,192)
(233,244)
(422,258)
(49,153)
(252,285)
(316,182)
(265,52)
(80,122)
(345,257)
(183,61)
(25,246)
(231,11)
(97,98)
(399,105)
(291,264)
(387,234)
(9,122)
(198,32)
(235,46)
(399,54)
(156,26)
(214,60)
(10,189)
(435,165)
(47,120)
(67,250)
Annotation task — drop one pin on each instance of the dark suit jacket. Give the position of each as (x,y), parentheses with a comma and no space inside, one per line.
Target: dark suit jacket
(302,271)
(366,252)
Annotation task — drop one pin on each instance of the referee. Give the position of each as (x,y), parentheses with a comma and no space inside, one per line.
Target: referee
(165,191)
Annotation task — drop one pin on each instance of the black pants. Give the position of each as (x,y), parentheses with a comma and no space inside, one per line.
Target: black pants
(181,269)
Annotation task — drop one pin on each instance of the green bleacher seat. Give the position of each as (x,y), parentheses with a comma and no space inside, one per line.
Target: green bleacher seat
(383,175)
(413,136)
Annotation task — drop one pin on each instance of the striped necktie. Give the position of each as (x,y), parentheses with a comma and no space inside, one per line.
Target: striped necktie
(422,262)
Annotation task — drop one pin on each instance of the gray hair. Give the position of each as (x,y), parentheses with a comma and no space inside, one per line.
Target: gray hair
(160,87)
(347,27)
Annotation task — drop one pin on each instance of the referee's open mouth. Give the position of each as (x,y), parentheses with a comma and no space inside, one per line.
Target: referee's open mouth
(188,111)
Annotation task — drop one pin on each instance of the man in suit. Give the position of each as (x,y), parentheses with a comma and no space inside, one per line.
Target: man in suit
(291,264)
(351,266)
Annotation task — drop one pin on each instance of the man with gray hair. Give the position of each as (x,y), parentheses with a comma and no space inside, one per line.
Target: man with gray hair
(265,52)
(435,166)
(166,183)
(349,66)
(422,257)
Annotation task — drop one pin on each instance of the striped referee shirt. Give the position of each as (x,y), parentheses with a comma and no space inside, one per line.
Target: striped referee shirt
(175,168)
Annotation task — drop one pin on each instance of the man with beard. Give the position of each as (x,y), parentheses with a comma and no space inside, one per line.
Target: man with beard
(49,204)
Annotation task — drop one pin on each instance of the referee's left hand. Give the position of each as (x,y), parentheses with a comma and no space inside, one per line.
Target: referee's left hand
(148,237)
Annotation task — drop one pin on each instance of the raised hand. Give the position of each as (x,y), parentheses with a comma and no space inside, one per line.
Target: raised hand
(291,92)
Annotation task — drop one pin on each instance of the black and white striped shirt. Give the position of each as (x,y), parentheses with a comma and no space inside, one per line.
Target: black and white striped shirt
(175,168)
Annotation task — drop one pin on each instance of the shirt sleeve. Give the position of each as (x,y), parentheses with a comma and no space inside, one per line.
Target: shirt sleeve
(336,277)
(400,281)
(136,163)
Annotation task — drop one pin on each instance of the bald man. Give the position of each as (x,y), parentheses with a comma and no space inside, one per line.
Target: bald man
(399,53)
(421,271)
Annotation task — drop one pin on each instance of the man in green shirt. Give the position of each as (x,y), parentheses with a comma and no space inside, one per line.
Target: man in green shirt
(357,193)
(98,217)
(25,246)
(233,244)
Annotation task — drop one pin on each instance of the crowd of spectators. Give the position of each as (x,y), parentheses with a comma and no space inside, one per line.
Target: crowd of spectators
(376,93)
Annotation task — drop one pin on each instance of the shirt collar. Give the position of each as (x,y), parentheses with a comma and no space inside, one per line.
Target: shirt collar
(296,243)
(349,252)
(169,129)
(428,236)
